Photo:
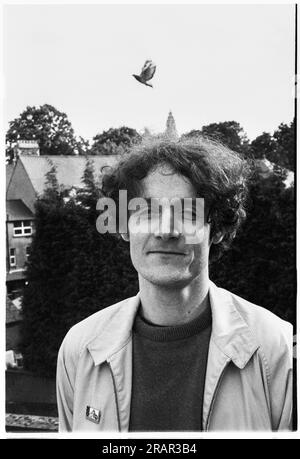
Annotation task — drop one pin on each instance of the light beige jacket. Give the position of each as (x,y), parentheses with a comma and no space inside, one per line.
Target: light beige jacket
(248,379)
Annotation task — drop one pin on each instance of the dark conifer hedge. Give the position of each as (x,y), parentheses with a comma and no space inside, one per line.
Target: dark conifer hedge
(72,272)
(260,266)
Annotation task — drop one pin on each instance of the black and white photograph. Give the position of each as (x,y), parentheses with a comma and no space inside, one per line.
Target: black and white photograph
(150,220)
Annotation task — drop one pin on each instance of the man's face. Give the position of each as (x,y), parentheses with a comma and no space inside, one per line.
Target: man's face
(164,257)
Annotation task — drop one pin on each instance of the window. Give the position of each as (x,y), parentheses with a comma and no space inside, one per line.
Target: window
(12,257)
(22,228)
(27,252)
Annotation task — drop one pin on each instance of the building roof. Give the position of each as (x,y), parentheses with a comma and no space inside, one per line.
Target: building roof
(17,210)
(9,170)
(70,169)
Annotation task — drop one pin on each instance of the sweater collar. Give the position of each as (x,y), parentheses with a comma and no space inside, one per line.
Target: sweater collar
(172,332)
(230,331)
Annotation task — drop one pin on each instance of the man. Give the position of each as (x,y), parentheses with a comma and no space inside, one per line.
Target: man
(183,354)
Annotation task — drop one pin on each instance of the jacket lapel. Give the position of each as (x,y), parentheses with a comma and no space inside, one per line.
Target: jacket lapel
(114,331)
(113,344)
(230,331)
(231,340)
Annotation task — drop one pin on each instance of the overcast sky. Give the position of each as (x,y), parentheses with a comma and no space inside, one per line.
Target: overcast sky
(214,63)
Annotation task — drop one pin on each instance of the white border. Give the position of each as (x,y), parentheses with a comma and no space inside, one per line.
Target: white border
(113,435)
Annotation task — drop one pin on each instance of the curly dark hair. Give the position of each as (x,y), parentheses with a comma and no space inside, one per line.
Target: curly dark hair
(218,174)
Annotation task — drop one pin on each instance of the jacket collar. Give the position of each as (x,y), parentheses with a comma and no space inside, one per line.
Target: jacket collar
(114,330)
(230,331)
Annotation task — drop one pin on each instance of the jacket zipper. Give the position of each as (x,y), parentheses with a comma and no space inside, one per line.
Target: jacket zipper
(116,396)
(214,396)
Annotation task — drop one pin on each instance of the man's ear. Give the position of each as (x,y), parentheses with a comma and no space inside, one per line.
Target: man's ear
(125,236)
(217,238)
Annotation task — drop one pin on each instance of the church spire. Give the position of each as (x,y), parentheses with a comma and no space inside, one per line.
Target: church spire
(171,131)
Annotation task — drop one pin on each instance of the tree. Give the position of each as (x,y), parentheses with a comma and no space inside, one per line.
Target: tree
(260,265)
(278,148)
(230,133)
(83,146)
(51,191)
(48,262)
(191,134)
(88,195)
(72,272)
(285,149)
(45,294)
(263,146)
(50,127)
(114,141)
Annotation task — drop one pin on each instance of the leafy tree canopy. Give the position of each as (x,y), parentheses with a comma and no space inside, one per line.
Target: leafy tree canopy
(285,150)
(114,141)
(230,133)
(50,127)
(192,133)
(278,148)
(263,146)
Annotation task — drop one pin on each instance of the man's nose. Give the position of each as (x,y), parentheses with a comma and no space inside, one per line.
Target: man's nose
(166,228)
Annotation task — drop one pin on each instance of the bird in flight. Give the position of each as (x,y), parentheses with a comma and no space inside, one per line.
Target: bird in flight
(147,73)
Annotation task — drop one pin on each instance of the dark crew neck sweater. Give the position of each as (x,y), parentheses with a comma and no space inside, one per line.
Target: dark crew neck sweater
(169,367)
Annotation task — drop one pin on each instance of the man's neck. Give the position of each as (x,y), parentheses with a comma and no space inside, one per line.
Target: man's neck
(171,306)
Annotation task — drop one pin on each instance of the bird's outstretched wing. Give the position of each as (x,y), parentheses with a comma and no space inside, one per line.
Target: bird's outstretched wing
(148,70)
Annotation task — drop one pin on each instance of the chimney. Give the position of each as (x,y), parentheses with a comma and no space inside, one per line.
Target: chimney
(26,148)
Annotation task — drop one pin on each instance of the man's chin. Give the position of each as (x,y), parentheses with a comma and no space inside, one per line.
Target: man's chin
(169,280)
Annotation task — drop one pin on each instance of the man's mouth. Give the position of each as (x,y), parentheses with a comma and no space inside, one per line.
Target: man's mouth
(166,252)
